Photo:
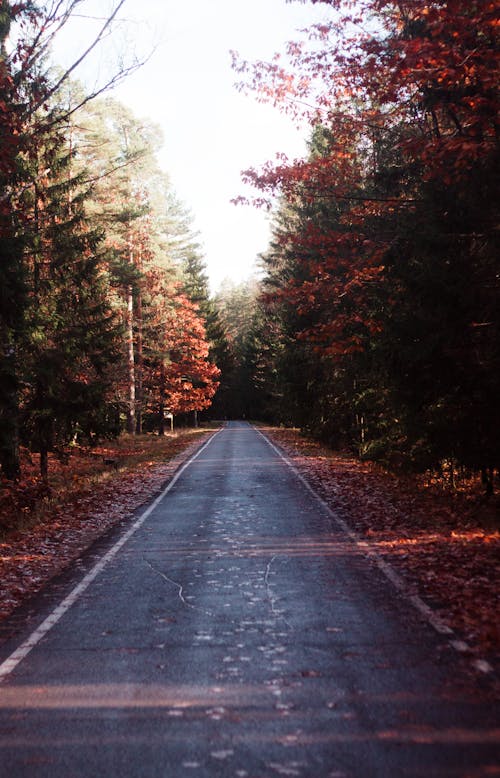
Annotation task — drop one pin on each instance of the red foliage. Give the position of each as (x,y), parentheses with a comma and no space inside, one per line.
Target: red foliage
(178,375)
(424,75)
(191,379)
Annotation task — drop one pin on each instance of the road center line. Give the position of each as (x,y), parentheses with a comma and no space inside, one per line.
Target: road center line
(8,665)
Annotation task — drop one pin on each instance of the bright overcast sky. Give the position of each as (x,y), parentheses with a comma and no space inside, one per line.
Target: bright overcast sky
(211,131)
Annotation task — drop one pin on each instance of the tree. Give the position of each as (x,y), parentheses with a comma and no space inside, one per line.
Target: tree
(196,288)
(29,117)
(191,379)
(178,375)
(389,266)
(119,150)
(153,254)
(72,336)
(236,305)
(12,290)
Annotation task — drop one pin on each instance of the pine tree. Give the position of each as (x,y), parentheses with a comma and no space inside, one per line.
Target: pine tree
(13,299)
(29,117)
(236,305)
(118,150)
(72,336)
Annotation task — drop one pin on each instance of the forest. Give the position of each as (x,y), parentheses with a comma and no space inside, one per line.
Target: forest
(106,323)
(373,324)
(376,326)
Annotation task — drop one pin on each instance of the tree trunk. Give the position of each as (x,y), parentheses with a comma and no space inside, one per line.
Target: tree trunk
(487,477)
(138,366)
(130,361)
(161,412)
(44,464)
(9,411)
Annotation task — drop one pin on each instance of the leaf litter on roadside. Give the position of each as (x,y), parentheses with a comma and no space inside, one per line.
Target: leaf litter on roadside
(86,499)
(444,544)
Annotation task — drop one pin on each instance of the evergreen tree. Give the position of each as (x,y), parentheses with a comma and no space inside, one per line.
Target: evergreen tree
(384,268)
(13,298)
(29,117)
(236,305)
(119,151)
(72,337)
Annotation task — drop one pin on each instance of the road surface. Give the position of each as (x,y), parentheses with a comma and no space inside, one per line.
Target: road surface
(235,631)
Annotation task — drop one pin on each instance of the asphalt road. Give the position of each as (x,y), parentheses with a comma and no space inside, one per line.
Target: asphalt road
(237,632)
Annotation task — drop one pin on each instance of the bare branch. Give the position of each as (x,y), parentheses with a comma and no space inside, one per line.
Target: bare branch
(65,115)
(38,46)
(99,37)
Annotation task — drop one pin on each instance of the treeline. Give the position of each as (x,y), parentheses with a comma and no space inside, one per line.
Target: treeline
(105,316)
(377,325)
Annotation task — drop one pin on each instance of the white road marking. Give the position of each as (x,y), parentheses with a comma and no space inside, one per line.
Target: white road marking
(8,665)
(429,615)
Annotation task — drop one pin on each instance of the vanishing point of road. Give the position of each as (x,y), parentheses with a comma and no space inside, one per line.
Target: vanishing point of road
(235,629)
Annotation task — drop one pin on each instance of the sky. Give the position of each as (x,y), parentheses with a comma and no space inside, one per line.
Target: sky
(211,131)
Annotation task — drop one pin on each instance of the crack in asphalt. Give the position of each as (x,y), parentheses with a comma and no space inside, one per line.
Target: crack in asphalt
(180,588)
(170,580)
(272,600)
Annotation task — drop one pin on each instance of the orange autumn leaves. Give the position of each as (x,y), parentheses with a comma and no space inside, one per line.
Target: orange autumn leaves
(191,380)
(178,375)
